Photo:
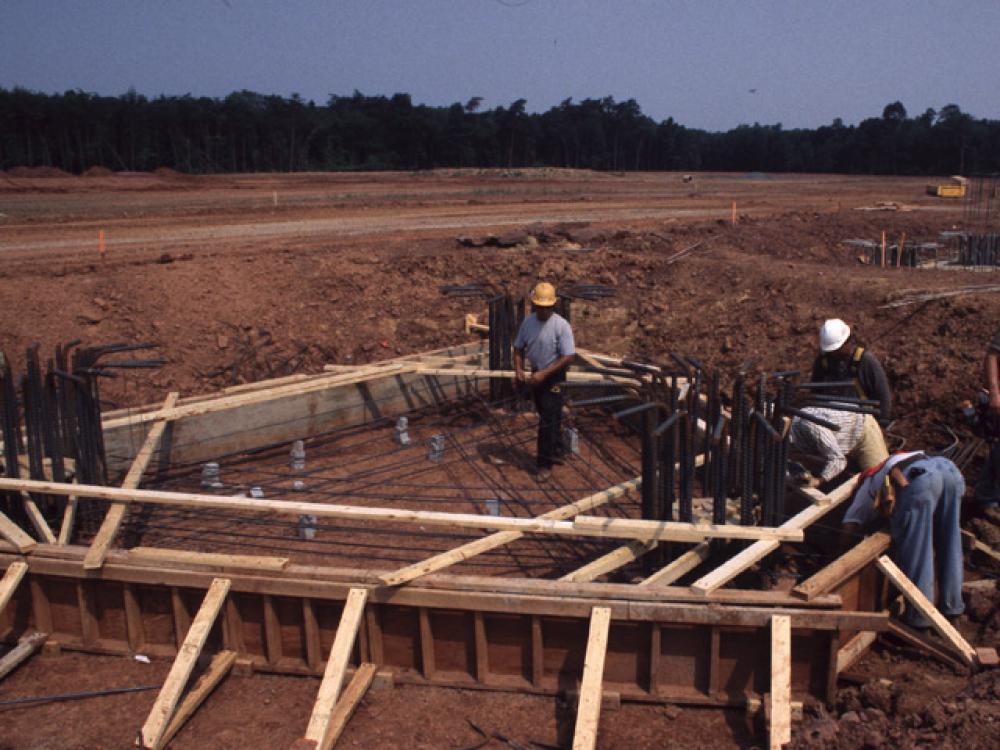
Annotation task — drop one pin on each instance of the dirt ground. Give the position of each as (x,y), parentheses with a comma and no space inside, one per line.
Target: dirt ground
(238,278)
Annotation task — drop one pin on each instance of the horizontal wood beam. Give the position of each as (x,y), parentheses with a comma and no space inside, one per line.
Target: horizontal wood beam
(598,528)
(334,582)
(208,559)
(678,531)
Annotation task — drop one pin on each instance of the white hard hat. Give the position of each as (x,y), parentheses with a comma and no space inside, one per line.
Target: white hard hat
(833,334)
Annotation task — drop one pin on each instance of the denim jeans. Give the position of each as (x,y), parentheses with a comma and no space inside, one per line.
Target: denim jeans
(926,541)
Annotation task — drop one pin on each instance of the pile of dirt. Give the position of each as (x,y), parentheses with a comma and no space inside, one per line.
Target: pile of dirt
(883,713)
(37,172)
(97,171)
(168,173)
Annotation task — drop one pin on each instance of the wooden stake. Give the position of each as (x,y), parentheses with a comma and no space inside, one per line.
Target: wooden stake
(21,653)
(348,702)
(588,711)
(100,244)
(781,682)
(734,213)
(883,248)
(222,662)
(163,710)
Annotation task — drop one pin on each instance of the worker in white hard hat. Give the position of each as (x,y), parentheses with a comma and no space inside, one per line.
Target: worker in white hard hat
(842,359)
(546,340)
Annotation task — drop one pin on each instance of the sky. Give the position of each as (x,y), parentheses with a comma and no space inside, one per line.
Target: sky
(710,64)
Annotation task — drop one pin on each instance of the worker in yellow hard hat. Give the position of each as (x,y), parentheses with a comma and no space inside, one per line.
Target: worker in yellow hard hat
(546,339)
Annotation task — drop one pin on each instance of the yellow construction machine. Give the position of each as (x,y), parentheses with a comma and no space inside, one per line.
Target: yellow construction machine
(955,189)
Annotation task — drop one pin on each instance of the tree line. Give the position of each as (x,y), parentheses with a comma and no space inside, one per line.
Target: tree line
(250,132)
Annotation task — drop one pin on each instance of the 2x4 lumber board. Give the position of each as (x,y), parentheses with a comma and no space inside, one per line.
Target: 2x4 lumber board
(851,651)
(219,667)
(238,400)
(9,583)
(671,530)
(572,376)
(15,534)
(105,536)
(781,682)
(37,519)
(180,671)
(845,566)
(611,561)
(926,608)
(588,711)
(761,549)
(21,652)
(336,666)
(499,539)
(209,559)
(679,567)
(598,528)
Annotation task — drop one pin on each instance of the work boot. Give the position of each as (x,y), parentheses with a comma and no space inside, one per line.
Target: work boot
(543,475)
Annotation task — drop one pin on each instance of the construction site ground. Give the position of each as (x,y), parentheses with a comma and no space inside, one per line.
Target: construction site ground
(240,278)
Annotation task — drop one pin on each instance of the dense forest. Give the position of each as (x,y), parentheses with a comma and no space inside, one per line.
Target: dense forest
(249,132)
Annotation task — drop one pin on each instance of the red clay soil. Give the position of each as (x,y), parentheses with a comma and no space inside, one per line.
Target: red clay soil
(239,278)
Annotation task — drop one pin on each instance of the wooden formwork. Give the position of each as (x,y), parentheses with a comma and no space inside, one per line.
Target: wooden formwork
(461,631)
(698,644)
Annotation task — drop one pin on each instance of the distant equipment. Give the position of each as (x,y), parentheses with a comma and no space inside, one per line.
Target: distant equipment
(954,189)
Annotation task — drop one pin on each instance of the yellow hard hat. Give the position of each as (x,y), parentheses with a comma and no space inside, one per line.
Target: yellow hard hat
(543,295)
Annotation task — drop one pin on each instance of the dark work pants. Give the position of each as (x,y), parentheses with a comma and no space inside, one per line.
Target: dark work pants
(548,402)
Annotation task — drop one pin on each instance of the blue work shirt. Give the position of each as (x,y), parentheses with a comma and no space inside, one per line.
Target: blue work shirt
(544,343)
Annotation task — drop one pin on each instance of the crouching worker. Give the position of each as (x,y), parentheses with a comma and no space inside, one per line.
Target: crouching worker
(546,339)
(856,443)
(921,497)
